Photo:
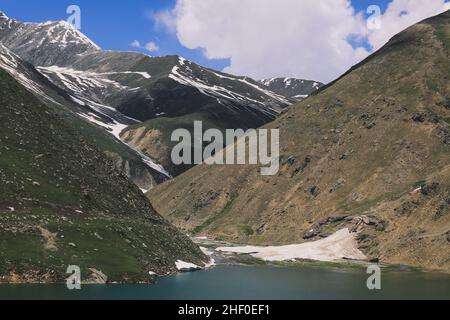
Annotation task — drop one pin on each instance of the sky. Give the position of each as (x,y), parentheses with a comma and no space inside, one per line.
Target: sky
(311,39)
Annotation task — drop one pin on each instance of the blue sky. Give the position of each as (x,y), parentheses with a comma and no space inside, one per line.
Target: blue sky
(306,39)
(115,24)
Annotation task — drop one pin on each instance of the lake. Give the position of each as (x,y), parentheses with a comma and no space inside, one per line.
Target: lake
(254,282)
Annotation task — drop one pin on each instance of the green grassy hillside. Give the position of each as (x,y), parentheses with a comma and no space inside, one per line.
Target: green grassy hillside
(62,202)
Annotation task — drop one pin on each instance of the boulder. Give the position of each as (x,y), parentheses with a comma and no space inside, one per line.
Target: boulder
(428,189)
(97,277)
(309,235)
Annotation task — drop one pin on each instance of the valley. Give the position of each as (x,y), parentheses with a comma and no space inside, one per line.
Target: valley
(87,176)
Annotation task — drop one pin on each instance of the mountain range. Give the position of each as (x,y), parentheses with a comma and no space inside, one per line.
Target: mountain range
(73,169)
(145,95)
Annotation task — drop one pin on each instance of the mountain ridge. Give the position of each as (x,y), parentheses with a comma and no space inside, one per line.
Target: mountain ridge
(127,88)
(369,151)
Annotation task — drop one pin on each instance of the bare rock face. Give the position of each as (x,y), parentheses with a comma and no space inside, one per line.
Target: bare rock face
(140,174)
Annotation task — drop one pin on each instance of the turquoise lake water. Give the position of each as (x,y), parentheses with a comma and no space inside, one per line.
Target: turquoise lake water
(241,282)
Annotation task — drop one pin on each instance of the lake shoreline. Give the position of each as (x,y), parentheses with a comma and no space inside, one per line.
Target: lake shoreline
(229,254)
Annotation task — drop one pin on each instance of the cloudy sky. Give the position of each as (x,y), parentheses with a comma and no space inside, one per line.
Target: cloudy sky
(313,39)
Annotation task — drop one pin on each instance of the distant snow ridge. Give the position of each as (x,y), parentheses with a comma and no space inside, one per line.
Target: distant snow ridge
(218,86)
(297,89)
(83,83)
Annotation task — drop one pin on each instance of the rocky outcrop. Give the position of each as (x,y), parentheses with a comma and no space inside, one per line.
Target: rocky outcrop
(137,172)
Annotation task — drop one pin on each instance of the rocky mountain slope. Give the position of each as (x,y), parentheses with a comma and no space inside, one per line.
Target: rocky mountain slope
(63,203)
(370,151)
(119,89)
(296,89)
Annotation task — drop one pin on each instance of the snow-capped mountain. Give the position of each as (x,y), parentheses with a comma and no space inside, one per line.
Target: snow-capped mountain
(44,44)
(133,83)
(297,89)
(115,90)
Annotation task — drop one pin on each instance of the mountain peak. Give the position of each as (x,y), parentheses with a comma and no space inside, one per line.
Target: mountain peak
(44,44)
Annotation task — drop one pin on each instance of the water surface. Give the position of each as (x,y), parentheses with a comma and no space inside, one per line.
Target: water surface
(254,282)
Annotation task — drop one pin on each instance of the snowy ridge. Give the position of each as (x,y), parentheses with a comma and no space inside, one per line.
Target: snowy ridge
(63,33)
(183,74)
(297,89)
(79,81)
(264,91)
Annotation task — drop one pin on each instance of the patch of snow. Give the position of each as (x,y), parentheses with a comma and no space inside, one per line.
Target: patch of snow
(80,82)
(340,245)
(114,128)
(300,96)
(186,266)
(287,82)
(78,101)
(210,264)
(268,82)
(209,253)
(152,164)
(416,190)
(145,75)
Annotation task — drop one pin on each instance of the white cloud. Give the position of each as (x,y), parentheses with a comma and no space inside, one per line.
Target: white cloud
(164,19)
(404,13)
(135,44)
(298,38)
(152,46)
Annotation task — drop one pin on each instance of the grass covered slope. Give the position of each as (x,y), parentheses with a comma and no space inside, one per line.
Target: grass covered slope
(62,202)
(370,151)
